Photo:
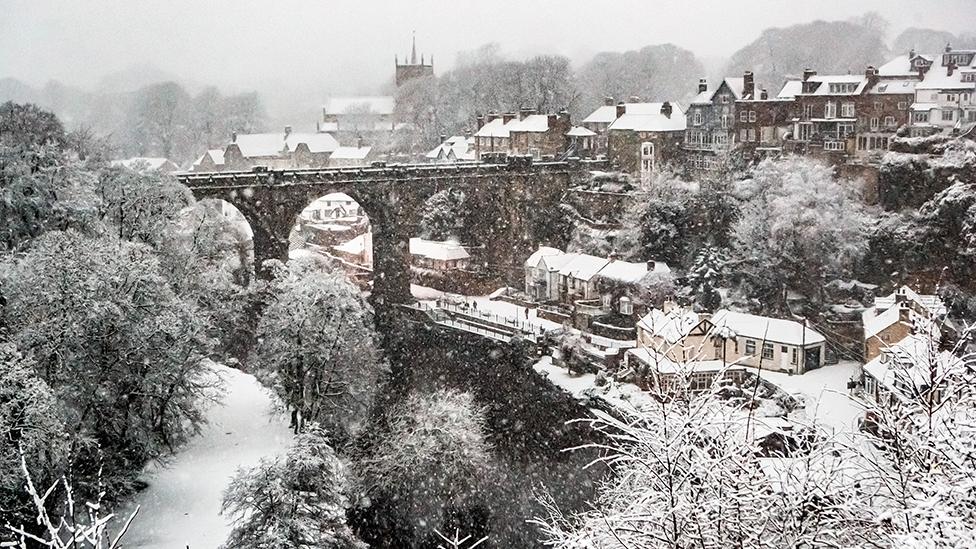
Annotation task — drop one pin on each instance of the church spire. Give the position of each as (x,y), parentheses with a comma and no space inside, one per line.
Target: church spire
(413,52)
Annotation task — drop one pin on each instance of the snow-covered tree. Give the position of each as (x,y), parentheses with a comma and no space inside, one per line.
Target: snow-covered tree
(120,350)
(704,277)
(686,474)
(799,225)
(295,501)
(444,215)
(925,427)
(318,350)
(431,462)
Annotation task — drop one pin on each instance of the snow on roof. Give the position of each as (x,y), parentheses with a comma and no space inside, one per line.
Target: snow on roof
(351,153)
(875,323)
(647,117)
(904,367)
(580,131)
(531,123)
(703,98)
(435,249)
(602,115)
(886,87)
(379,104)
(827,79)
(456,147)
(624,271)
(583,266)
(672,326)
(148,163)
(273,144)
(543,251)
(776,330)
(924,106)
(932,303)
(790,89)
(495,128)
(735,84)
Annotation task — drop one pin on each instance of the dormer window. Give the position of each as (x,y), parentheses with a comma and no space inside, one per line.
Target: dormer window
(843,87)
(698,118)
(969,77)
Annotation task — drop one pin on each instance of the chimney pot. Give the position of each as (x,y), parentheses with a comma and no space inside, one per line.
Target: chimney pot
(635,99)
(748,84)
(608,101)
(666,109)
(808,74)
(702,85)
(621,109)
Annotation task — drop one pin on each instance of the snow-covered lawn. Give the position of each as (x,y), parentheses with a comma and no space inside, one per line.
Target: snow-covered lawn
(621,395)
(824,393)
(181,506)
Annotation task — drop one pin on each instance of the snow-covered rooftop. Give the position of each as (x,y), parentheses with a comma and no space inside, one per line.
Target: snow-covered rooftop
(531,123)
(580,131)
(351,153)
(494,128)
(435,249)
(932,303)
(456,147)
(355,246)
(647,117)
(631,273)
(905,368)
(543,251)
(273,144)
(672,326)
(887,87)
(602,115)
(776,330)
(583,267)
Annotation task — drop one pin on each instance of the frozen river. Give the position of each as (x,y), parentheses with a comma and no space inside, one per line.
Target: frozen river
(181,506)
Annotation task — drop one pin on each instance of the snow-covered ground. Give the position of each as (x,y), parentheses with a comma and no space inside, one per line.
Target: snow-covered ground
(485,306)
(622,395)
(181,506)
(825,395)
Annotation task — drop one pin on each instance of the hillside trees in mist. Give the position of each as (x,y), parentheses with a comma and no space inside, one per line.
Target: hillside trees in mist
(930,41)
(483,81)
(662,72)
(829,47)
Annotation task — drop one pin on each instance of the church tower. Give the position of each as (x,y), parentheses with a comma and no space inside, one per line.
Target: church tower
(411,68)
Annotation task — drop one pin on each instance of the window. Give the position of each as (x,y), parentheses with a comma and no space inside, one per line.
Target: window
(723,99)
(833,145)
(902,105)
(743,116)
(950,97)
(948,114)
(969,77)
(807,111)
(874,123)
(830,110)
(647,158)
(806,131)
(843,130)
(752,116)
(793,357)
(698,117)
(750,347)
(877,105)
(782,348)
(743,136)
(768,350)
(843,87)
(920,116)
(889,121)
(847,110)
(726,121)
(752,134)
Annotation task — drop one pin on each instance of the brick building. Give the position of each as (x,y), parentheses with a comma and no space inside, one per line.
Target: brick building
(711,120)
(763,124)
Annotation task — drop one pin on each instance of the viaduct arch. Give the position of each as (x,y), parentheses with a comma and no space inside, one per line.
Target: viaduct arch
(393,198)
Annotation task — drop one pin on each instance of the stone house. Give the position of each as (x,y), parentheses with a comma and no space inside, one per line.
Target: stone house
(711,120)
(945,99)
(881,111)
(438,255)
(286,150)
(684,336)
(539,135)
(902,371)
(493,134)
(645,136)
(599,122)
(211,161)
(826,108)
(763,124)
(457,148)
(896,316)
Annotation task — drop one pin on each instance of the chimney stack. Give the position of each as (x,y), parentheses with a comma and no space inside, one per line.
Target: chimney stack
(608,101)
(287,131)
(635,99)
(808,74)
(479,121)
(233,136)
(950,68)
(666,109)
(911,54)
(948,47)
(702,85)
(525,112)
(748,85)
(443,137)
(508,117)
(621,109)
(763,94)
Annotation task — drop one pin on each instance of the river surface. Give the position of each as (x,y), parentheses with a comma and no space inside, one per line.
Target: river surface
(181,506)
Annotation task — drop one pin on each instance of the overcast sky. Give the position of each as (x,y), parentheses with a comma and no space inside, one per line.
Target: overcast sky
(243,44)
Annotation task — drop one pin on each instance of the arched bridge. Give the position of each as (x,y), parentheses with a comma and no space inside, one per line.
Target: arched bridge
(520,193)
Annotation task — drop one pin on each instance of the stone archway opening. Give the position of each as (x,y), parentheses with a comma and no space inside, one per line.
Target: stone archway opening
(335,231)
(225,236)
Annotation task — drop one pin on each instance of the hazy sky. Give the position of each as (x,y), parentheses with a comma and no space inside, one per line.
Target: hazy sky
(243,44)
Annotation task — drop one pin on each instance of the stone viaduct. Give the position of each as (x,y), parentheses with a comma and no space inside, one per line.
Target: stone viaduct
(522,193)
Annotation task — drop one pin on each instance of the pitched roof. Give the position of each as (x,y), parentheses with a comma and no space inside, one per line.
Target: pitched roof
(543,251)
(904,367)
(457,145)
(351,153)
(602,115)
(494,128)
(273,144)
(775,330)
(826,80)
(647,117)
(531,123)
(378,104)
(580,131)
(583,266)
(440,250)
(672,326)
(886,87)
